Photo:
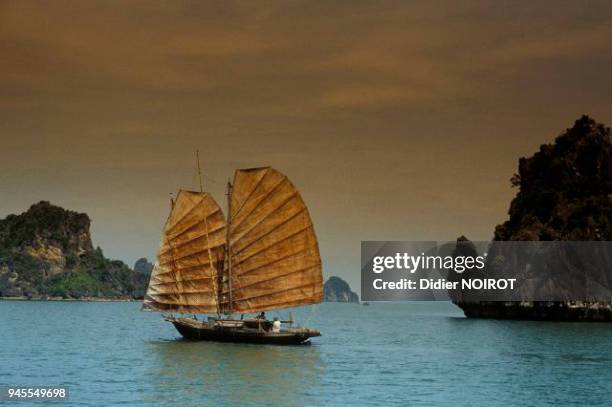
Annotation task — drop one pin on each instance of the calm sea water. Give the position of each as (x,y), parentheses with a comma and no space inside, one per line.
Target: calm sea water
(416,354)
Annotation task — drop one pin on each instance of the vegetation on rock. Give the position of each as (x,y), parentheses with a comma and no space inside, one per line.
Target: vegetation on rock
(565,189)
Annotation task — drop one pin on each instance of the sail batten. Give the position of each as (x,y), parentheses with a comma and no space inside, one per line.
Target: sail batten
(254,202)
(290,247)
(277,242)
(284,300)
(185,294)
(264,203)
(262,222)
(175,281)
(184,238)
(245,199)
(277,277)
(191,197)
(191,269)
(169,258)
(195,230)
(245,272)
(277,292)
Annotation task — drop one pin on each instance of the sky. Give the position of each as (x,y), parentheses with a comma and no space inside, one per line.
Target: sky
(396,120)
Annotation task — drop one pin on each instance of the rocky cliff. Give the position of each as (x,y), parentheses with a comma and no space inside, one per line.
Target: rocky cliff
(47,252)
(564,193)
(338,290)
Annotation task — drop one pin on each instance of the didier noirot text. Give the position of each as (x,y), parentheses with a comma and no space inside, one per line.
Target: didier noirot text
(457,264)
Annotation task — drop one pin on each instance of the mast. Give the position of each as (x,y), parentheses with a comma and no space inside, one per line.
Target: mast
(206,228)
(228,245)
(199,171)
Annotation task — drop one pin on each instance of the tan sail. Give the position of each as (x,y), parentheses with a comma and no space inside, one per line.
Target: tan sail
(275,261)
(186,275)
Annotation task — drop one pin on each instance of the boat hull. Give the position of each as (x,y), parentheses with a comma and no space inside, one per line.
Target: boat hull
(195,330)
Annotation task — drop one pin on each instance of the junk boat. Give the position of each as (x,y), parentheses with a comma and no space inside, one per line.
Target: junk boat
(263,257)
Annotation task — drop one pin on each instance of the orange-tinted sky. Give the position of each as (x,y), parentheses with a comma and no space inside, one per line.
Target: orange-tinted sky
(396,120)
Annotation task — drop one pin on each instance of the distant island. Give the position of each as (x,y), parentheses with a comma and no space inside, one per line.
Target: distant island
(564,193)
(47,253)
(338,290)
(143,266)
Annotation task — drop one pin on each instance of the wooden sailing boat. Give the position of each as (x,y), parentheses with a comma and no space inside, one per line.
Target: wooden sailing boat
(265,256)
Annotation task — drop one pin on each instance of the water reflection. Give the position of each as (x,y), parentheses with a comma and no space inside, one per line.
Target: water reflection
(235,374)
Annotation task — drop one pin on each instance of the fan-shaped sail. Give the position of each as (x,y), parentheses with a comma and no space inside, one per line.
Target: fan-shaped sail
(275,261)
(186,275)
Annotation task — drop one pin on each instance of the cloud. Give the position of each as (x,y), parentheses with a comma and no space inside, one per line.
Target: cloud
(564,44)
(364,96)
